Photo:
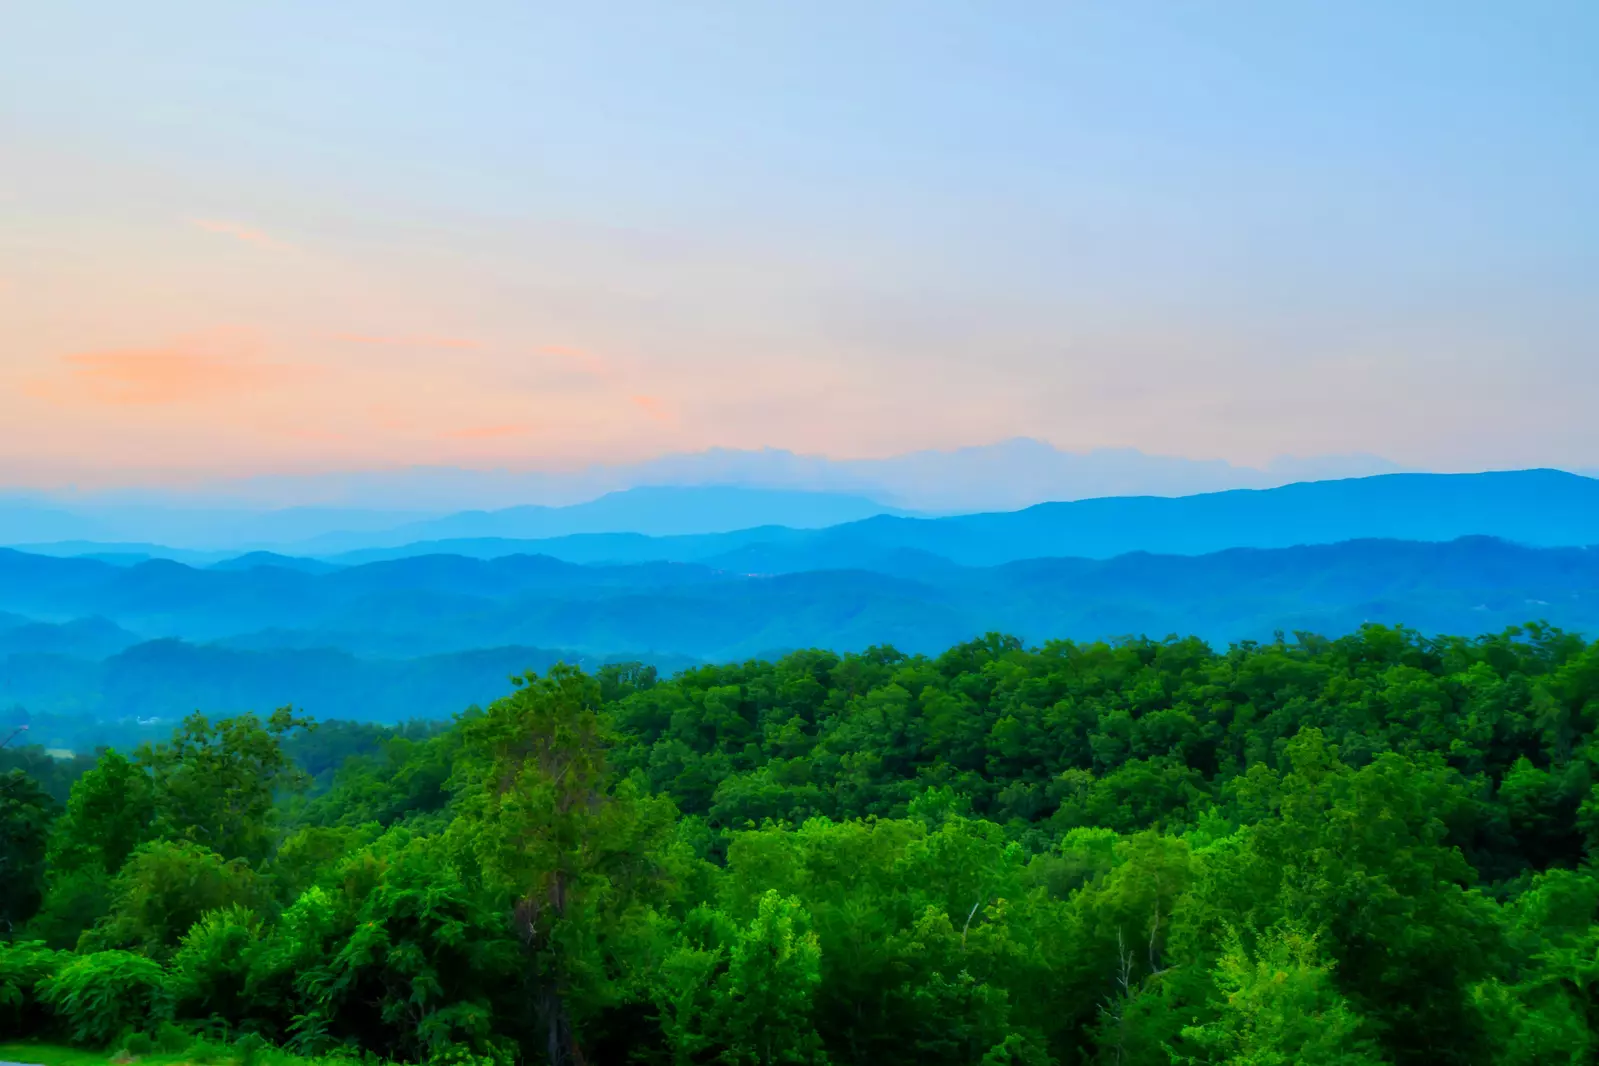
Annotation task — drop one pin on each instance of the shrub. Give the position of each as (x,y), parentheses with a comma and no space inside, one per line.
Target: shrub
(22,967)
(73,902)
(171,1039)
(249,1047)
(457,1055)
(165,888)
(204,1051)
(137,1045)
(103,995)
(211,970)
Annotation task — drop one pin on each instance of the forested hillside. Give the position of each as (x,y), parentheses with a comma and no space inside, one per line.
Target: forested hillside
(421,637)
(1365,850)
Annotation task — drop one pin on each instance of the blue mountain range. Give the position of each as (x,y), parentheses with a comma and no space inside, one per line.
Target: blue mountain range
(421,629)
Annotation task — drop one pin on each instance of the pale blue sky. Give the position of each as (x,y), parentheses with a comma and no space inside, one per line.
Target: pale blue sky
(1230,230)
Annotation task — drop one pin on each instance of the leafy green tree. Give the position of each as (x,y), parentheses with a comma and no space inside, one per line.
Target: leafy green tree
(311,853)
(108,814)
(26,811)
(290,978)
(75,899)
(404,957)
(743,997)
(1362,850)
(1545,1010)
(105,994)
(1362,856)
(212,969)
(214,783)
(1278,1007)
(163,889)
(576,855)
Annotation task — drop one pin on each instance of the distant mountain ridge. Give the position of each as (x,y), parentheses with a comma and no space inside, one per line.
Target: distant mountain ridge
(191,534)
(276,511)
(440,604)
(648,511)
(425,636)
(394,632)
(1546,508)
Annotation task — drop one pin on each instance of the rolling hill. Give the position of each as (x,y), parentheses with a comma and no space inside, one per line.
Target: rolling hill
(396,637)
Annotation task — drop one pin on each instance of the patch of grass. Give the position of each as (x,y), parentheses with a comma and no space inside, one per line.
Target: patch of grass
(51,1054)
(42,1054)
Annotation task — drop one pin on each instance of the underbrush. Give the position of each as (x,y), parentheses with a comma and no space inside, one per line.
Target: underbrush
(158,1050)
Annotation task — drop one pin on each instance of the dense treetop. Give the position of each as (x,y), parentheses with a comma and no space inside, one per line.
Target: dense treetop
(1366,850)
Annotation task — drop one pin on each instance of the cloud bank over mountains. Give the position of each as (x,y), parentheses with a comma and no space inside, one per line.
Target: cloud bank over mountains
(1004,476)
(676,494)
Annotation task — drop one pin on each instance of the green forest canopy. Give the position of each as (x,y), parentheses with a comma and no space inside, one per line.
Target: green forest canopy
(1366,850)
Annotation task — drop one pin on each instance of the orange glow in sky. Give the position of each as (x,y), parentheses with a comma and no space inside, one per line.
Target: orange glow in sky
(289,238)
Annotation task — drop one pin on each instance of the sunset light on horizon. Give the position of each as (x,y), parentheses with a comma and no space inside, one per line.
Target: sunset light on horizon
(297,238)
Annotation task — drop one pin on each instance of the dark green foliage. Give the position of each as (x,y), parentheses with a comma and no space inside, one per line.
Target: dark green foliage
(164,889)
(215,783)
(23,967)
(73,902)
(54,775)
(26,811)
(417,959)
(108,814)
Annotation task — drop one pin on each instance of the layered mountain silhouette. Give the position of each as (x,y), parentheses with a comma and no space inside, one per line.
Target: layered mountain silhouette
(1533,507)
(257,637)
(420,629)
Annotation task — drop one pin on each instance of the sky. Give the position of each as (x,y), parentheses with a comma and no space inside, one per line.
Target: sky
(246,239)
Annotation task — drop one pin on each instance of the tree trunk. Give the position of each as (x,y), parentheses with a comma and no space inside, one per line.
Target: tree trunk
(560,1041)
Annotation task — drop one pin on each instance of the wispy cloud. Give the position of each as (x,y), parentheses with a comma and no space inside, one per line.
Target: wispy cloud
(584,360)
(192,370)
(239,232)
(653,406)
(320,435)
(517,429)
(408,342)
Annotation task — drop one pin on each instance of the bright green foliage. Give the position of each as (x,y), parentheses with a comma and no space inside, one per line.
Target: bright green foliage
(743,997)
(289,976)
(103,995)
(211,970)
(915,926)
(404,779)
(25,814)
(1278,1007)
(1376,849)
